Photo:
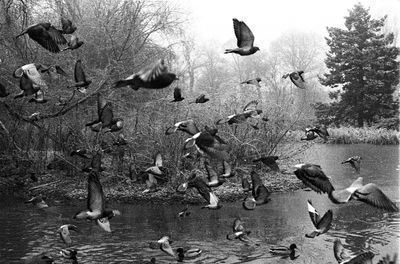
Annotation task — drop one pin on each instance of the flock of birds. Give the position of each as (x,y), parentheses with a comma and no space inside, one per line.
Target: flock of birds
(207,143)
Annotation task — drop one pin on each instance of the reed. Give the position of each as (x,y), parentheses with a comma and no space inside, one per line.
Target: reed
(352,135)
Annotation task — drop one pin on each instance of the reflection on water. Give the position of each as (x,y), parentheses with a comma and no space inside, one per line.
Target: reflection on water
(26,231)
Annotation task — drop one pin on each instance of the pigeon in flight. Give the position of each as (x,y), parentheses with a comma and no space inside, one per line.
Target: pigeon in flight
(245,39)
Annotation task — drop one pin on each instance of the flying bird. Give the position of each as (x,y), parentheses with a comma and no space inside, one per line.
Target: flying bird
(96,210)
(343,257)
(201,99)
(239,231)
(355,162)
(105,117)
(284,251)
(73,43)
(369,194)
(255,82)
(156,77)
(260,192)
(270,161)
(213,147)
(65,234)
(321,131)
(212,176)
(154,172)
(322,225)
(177,95)
(67,26)
(198,183)
(187,126)
(249,111)
(245,39)
(309,135)
(165,246)
(81,81)
(38,98)
(31,71)
(46,36)
(296,78)
(313,176)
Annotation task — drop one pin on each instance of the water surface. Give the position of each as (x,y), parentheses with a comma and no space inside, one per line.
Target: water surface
(26,231)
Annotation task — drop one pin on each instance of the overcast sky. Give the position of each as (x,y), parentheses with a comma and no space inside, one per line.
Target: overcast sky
(212,19)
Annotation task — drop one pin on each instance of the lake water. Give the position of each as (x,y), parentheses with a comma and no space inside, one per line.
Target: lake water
(26,231)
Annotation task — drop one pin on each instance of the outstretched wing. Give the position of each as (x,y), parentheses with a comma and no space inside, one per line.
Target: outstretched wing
(313,213)
(79,74)
(244,36)
(339,251)
(158,160)
(95,193)
(372,195)
(153,73)
(251,105)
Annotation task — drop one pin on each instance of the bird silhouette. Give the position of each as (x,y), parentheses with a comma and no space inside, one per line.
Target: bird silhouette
(296,78)
(177,95)
(187,126)
(249,111)
(270,161)
(260,192)
(65,234)
(201,99)
(67,26)
(369,194)
(81,81)
(239,231)
(245,39)
(309,135)
(313,176)
(96,209)
(71,254)
(46,36)
(322,225)
(355,162)
(284,251)
(212,176)
(155,172)
(255,81)
(3,90)
(156,77)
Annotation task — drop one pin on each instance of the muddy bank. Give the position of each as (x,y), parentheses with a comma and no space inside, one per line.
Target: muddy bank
(55,185)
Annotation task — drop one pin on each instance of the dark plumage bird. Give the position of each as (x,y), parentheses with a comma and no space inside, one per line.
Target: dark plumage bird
(39,259)
(46,36)
(322,225)
(249,111)
(238,231)
(313,176)
(369,194)
(83,153)
(321,131)
(212,146)
(38,98)
(310,135)
(296,78)
(70,253)
(105,117)
(355,162)
(96,209)
(260,192)
(38,202)
(201,99)
(154,172)
(284,251)
(387,260)
(343,257)
(81,82)
(67,26)
(157,77)
(205,191)
(64,233)
(212,176)
(187,126)
(177,95)
(270,161)
(3,91)
(245,39)
(255,82)
(74,43)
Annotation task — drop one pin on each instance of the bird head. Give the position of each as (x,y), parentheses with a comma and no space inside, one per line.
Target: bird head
(292,246)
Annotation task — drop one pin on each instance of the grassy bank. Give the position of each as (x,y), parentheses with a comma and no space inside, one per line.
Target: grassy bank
(352,135)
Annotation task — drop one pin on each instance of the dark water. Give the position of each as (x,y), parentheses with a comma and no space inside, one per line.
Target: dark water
(25,231)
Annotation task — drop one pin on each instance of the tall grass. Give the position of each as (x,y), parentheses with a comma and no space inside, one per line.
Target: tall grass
(352,135)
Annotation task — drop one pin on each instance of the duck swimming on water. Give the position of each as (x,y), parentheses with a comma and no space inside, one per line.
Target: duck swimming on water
(284,251)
